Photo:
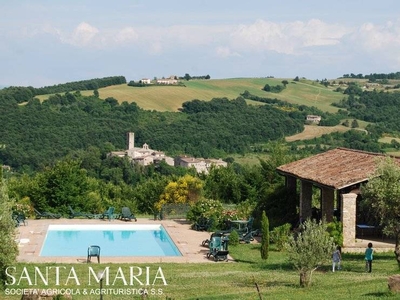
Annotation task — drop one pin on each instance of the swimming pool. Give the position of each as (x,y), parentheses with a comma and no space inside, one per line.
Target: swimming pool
(114,240)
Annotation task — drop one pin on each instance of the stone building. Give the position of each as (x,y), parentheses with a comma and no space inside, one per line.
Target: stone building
(338,173)
(313,119)
(144,155)
(200,164)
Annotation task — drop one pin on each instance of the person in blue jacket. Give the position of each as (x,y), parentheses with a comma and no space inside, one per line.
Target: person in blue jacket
(369,256)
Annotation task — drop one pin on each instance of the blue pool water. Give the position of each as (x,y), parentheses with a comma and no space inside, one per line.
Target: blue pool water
(114,240)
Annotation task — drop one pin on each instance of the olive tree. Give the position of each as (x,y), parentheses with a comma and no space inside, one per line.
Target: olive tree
(309,249)
(8,246)
(382,195)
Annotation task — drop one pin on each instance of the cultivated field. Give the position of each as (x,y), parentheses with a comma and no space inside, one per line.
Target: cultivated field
(170,98)
(312,131)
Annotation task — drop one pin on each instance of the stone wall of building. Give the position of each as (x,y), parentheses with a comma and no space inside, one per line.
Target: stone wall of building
(348,204)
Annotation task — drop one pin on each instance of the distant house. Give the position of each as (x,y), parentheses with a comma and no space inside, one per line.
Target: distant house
(200,164)
(170,80)
(313,119)
(145,81)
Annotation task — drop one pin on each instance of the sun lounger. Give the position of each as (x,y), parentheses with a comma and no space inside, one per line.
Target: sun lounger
(48,215)
(73,214)
(127,215)
(108,214)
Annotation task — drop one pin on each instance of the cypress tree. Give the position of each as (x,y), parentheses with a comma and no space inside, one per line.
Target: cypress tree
(264,236)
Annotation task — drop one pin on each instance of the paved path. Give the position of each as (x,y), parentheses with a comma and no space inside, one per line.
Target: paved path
(188,241)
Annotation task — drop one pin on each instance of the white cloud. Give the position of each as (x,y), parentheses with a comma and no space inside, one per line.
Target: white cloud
(181,37)
(375,37)
(155,48)
(126,35)
(381,42)
(287,38)
(83,34)
(225,52)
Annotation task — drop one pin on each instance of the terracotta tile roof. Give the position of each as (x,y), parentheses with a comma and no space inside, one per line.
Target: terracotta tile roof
(337,168)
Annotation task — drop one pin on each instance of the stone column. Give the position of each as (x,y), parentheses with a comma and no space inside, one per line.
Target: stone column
(327,203)
(291,184)
(130,140)
(348,218)
(305,199)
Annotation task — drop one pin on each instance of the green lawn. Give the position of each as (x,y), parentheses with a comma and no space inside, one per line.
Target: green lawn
(275,278)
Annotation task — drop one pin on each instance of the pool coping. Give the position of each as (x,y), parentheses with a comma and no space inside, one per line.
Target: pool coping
(31,237)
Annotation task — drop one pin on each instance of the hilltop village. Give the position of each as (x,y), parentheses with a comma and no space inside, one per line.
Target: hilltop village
(145,156)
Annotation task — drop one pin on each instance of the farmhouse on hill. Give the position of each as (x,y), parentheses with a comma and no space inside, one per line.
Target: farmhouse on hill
(170,80)
(145,81)
(313,119)
(338,173)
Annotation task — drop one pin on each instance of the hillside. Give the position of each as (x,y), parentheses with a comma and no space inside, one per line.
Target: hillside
(170,98)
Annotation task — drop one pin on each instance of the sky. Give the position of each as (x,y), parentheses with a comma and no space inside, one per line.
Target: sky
(47,42)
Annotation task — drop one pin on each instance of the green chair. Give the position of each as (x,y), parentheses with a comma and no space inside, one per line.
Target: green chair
(127,215)
(218,248)
(19,219)
(203,224)
(49,215)
(73,214)
(93,251)
(109,214)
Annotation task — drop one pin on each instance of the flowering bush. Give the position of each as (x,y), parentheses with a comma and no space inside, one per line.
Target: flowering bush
(206,208)
(227,216)
(230,214)
(23,207)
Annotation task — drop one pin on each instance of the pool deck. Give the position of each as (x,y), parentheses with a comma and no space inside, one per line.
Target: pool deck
(31,237)
(188,241)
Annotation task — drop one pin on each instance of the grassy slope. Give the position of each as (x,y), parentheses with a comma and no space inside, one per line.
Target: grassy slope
(275,278)
(170,98)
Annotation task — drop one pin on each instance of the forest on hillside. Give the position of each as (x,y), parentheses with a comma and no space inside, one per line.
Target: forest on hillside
(57,148)
(36,134)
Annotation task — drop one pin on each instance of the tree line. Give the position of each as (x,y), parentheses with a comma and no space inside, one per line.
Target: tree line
(372,77)
(24,94)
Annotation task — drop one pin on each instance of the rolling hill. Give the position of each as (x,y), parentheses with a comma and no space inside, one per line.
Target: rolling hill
(170,98)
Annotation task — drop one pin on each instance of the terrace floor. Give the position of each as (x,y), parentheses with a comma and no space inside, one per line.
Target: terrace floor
(31,237)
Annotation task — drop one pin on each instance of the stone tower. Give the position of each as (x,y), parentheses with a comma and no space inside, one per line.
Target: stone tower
(130,144)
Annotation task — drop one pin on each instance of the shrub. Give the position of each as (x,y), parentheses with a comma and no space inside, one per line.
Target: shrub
(245,209)
(234,238)
(227,216)
(206,208)
(335,230)
(280,235)
(24,207)
(8,245)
